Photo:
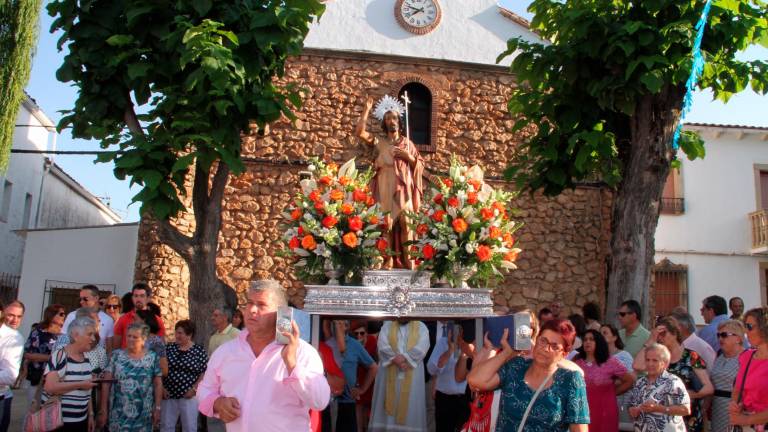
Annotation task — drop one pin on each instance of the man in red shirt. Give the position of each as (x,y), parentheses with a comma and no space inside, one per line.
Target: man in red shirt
(141,294)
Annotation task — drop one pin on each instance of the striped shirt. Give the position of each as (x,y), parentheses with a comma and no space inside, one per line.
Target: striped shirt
(74,403)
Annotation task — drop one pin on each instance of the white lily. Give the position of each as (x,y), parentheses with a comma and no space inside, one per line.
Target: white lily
(308,185)
(348,169)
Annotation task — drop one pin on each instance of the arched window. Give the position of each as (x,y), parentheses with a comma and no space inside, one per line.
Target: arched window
(419,113)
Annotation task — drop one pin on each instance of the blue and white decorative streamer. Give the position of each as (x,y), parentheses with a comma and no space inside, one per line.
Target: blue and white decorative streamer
(696,68)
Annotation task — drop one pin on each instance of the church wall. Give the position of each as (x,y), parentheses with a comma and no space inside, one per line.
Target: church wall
(564,239)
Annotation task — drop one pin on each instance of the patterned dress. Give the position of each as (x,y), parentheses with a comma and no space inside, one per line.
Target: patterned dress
(667,390)
(562,404)
(722,374)
(132,398)
(38,342)
(685,370)
(601,393)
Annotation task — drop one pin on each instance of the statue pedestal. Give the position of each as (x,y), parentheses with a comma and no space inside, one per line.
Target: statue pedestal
(398,293)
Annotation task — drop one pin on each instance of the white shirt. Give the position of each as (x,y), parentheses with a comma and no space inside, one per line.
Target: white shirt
(446,378)
(11,352)
(702,348)
(106,326)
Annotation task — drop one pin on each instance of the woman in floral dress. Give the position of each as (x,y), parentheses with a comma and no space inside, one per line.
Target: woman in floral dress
(601,371)
(685,364)
(137,392)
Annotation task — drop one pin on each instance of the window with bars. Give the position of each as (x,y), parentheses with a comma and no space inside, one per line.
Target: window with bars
(670,287)
(672,201)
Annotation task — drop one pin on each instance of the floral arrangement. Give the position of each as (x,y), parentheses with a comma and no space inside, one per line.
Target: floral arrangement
(464,232)
(333,224)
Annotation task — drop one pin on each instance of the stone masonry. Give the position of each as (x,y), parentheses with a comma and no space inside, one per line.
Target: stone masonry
(564,240)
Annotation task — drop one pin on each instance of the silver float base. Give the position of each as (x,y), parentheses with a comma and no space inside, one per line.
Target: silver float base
(395,294)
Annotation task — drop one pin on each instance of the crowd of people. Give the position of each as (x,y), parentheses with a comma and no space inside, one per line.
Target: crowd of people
(113,368)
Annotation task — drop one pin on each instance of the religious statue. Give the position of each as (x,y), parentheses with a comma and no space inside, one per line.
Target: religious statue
(397,185)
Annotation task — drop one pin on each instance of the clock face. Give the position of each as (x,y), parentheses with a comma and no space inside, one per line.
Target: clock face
(418,16)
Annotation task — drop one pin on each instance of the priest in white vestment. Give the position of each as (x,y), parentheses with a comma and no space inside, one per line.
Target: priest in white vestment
(399,392)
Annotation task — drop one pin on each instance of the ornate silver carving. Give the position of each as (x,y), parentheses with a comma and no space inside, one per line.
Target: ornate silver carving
(396,277)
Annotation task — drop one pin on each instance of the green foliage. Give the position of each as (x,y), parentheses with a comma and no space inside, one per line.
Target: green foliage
(198,72)
(606,57)
(18,36)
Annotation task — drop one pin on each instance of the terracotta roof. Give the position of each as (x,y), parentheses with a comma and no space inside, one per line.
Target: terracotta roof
(514,17)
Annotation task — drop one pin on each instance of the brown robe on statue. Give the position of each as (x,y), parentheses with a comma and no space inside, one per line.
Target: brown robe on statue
(397,187)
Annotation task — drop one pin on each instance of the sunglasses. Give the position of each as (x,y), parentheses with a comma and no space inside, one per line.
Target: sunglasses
(85,299)
(113,306)
(623,314)
(723,335)
(750,326)
(359,333)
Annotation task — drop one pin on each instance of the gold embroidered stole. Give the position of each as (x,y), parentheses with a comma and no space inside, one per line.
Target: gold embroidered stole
(401,411)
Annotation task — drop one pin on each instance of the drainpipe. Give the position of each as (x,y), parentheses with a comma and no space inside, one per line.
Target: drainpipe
(47,165)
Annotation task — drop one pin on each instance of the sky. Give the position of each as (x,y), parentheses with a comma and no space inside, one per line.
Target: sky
(746,108)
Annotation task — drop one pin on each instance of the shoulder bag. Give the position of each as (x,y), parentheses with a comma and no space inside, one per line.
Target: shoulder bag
(738,428)
(46,417)
(533,399)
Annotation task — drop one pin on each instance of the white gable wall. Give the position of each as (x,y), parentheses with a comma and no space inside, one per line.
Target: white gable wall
(470,31)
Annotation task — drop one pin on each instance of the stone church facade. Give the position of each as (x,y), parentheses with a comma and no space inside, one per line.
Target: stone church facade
(564,239)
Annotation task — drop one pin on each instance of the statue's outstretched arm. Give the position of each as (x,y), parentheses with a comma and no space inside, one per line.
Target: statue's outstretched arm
(360,130)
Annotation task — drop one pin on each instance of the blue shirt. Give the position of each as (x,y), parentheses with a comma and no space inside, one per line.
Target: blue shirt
(446,378)
(709,332)
(354,355)
(562,404)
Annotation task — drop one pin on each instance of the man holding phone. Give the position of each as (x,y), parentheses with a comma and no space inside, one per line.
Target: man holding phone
(255,383)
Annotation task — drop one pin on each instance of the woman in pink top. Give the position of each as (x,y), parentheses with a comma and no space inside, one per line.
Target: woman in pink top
(601,372)
(752,410)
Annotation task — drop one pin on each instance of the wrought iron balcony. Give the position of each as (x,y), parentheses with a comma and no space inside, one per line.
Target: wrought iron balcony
(759,225)
(672,206)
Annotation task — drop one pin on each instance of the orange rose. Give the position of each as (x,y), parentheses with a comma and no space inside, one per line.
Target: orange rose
(428,251)
(296,214)
(355,223)
(343,180)
(438,216)
(347,208)
(381,245)
(373,219)
(447,182)
(486,213)
(308,242)
(350,239)
(475,184)
(370,201)
(509,241)
(332,167)
(294,243)
(336,195)
(330,221)
(359,196)
(325,180)
(494,232)
(459,225)
(314,196)
(320,207)
(438,199)
(472,198)
(500,207)
(511,256)
(483,253)
(453,202)
(422,229)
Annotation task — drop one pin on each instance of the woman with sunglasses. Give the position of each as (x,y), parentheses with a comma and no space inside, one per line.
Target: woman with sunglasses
(112,307)
(749,403)
(723,372)
(561,395)
(37,349)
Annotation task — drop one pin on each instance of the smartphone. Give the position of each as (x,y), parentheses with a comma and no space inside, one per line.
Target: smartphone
(520,332)
(286,314)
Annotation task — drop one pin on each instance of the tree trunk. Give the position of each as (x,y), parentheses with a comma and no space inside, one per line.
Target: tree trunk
(206,291)
(635,213)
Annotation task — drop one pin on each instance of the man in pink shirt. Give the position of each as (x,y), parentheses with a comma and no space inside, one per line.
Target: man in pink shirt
(256,384)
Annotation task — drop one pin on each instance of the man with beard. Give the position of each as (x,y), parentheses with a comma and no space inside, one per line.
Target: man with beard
(398,185)
(141,297)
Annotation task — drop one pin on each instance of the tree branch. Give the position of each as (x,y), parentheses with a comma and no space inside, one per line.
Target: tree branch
(200,201)
(177,241)
(215,199)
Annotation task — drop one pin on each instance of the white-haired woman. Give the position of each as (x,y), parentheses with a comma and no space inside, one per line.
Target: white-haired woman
(659,400)
(138,388)
(723,373)
(68,374)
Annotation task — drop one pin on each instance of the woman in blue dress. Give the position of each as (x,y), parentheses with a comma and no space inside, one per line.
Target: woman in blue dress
(562,402)
(137,390)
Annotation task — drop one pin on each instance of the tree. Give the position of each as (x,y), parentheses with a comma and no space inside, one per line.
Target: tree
(18,36)
(605,97)
(173,85)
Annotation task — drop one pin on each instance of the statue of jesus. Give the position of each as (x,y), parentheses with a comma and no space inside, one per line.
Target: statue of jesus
(398,185)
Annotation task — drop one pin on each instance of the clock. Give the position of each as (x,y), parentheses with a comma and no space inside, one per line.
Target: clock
(418,16)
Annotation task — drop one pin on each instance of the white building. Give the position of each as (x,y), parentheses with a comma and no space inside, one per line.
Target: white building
(37,193)
(712,236)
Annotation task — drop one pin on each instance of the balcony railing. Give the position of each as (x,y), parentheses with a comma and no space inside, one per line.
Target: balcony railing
(759,223)
(672,205)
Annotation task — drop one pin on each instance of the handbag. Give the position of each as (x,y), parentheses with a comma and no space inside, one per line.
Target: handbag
(45,417)
(738,428)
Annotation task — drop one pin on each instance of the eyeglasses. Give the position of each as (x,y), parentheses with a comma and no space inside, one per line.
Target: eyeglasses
(113,306)
(723,335)
(359,333)
(750,326)
(547,345)
(82,299)
(622,314)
